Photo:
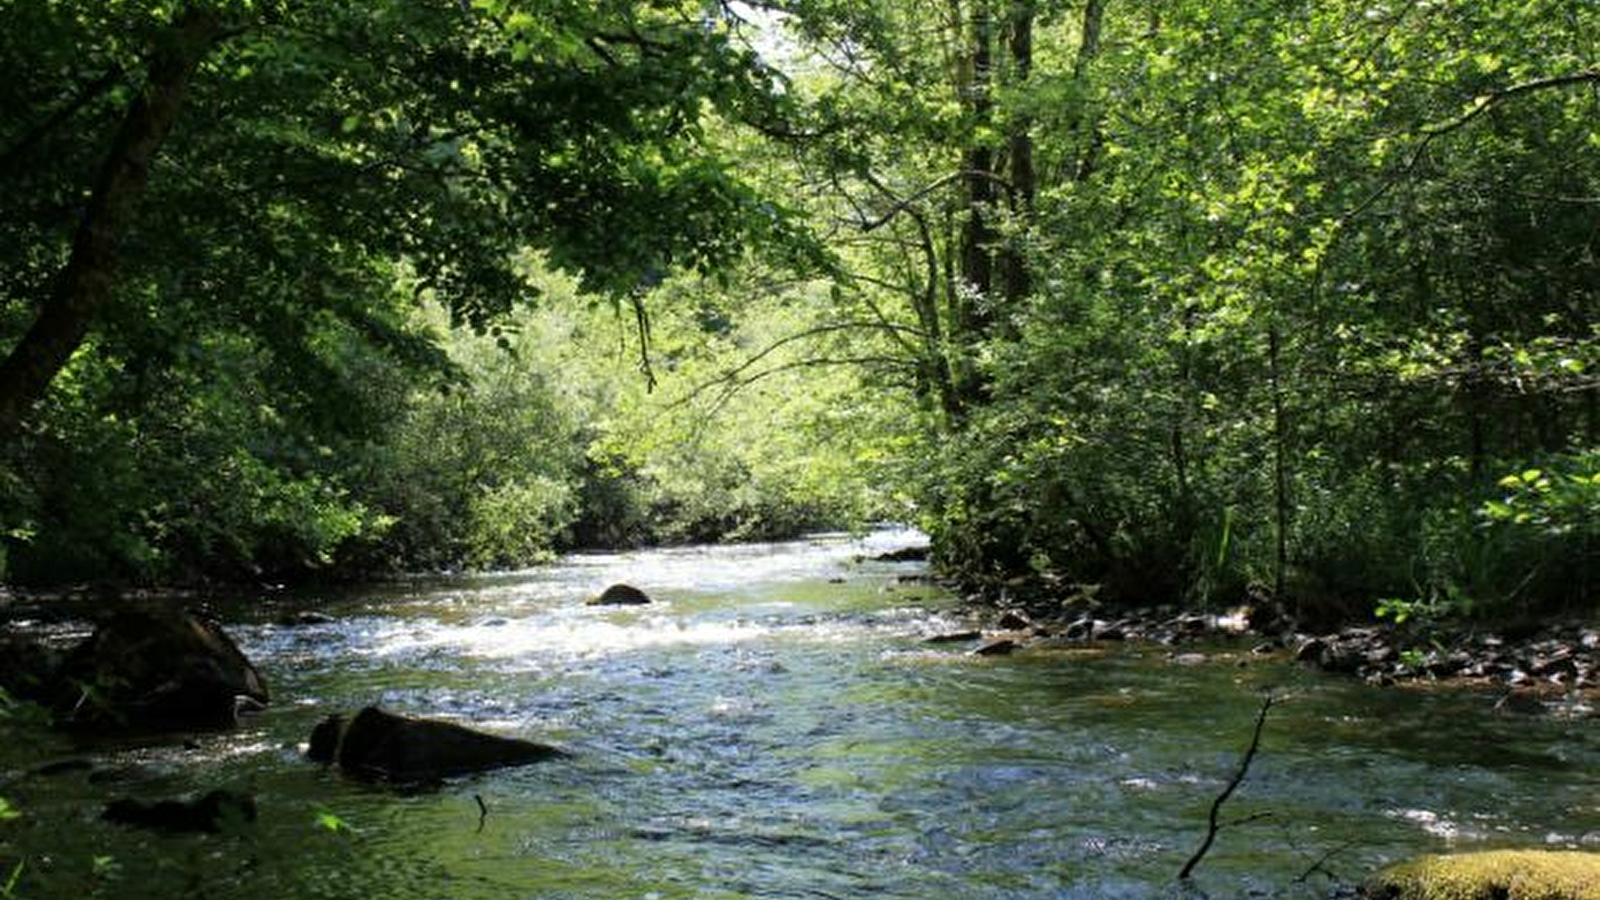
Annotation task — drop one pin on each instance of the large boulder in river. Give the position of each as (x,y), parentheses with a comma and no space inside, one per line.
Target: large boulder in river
(29,669)
(147,672)
(620,595)
(1490,875)
(382,745)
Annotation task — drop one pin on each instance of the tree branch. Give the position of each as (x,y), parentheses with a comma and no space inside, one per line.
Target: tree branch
(11,159)
(1213,825)
(732,376)
(1431,133)
(85,283)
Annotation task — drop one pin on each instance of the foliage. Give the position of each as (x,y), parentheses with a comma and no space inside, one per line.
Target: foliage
(1216,301)
(331,822)
(329,164)
(1301,277)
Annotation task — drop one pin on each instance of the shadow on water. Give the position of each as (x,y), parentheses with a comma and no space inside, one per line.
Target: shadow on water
(774,727)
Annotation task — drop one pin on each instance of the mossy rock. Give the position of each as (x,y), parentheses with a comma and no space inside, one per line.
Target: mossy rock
(1494,875)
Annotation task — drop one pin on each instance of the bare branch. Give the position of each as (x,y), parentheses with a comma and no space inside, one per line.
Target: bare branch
(732,376)
(1212,824)
(1321,865)
(732,386)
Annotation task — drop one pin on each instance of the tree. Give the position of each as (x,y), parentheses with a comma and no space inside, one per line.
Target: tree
(446,134)
(200,340)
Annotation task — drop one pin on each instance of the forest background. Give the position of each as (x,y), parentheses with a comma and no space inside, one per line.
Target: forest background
(1188,301)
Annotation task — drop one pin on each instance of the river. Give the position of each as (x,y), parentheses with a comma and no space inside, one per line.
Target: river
(775,726)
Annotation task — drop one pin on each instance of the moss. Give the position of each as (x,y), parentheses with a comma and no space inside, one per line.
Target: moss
(1495,875)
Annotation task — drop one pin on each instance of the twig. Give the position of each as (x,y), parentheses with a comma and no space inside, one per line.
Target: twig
(483,811)
(1212,824)
(1320,864)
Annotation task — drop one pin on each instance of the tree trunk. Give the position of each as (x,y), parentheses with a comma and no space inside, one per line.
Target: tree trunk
(1280,467)
(978,171)
(1024,181)
(1087,124)
(973,317)
(85,283)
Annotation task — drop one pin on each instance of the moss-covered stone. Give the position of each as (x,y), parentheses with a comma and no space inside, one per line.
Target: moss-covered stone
(1494,875)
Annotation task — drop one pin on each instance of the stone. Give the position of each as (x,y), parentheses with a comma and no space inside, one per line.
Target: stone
(153,672)
(1000,646)
(1012,620)
(1109,631)
(620,595)
(29,669)
(383,746)
(203,815)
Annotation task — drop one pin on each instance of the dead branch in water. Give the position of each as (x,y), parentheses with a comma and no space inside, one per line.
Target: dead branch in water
(1213,823)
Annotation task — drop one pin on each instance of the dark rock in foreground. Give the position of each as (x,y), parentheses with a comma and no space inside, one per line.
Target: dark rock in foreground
(620,595)
(904,554)
(203,815)
(152,672)
(381,745)
(29,670)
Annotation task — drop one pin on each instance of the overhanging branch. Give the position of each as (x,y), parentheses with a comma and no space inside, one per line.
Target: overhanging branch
(1483,104)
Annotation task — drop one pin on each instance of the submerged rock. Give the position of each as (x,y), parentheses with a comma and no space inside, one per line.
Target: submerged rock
(999,646)
(382,745)
(205,814)
(147,672)
(620,595)
(1493,875)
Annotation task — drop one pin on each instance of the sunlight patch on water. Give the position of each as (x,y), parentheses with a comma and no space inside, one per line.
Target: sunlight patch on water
(720,568)
(561,636)
(1432,823)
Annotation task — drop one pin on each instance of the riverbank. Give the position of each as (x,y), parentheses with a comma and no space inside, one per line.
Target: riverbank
(772,725)
(1558,660)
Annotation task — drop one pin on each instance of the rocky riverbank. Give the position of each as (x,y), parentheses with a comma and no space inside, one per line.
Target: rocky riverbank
(1555,660)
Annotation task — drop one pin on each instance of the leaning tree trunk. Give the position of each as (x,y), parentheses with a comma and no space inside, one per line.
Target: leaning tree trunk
(85,282)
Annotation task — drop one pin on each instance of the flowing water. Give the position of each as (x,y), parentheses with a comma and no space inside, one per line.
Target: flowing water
(775,726)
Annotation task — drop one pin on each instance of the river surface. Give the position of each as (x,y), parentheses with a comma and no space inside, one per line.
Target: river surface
(775,726)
